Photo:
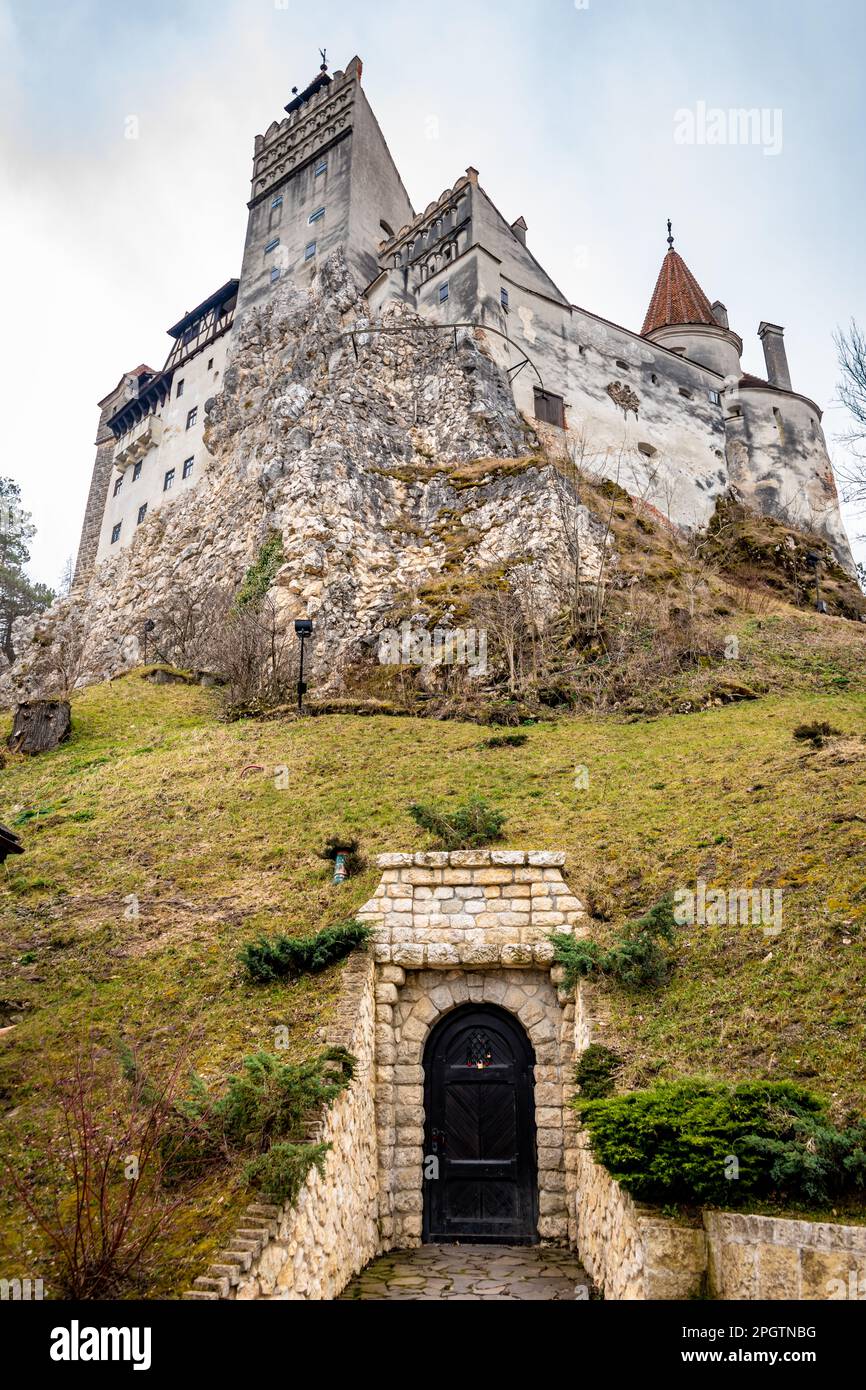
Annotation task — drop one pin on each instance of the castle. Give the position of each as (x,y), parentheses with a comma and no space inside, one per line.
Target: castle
(666,411)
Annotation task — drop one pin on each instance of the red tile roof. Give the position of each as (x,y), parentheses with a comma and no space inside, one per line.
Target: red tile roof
(677,298)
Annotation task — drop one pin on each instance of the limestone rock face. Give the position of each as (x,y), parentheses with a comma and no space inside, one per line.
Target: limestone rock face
(348,442)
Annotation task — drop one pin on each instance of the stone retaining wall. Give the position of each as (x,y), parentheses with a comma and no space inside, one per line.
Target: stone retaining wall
(311,1249)
(629,1252)
(754,1257)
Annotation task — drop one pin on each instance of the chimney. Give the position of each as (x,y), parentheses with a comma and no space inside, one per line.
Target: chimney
(519,228)
(720,314)
(775,356)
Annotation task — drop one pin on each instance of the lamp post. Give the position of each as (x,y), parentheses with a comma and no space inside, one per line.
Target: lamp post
(303,629)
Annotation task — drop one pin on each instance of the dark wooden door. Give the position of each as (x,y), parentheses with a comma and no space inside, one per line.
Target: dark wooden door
(480,1127)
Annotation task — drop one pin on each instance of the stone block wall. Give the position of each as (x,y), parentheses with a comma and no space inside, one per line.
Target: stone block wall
(311,1249)
(628,1252)
(753,1257)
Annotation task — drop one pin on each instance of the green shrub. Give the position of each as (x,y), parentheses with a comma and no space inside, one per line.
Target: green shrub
(262,573)
(267,960)
(676,1143)
(637,959)
(469,825)
(268,1102)
(279,1174)
(595,1071)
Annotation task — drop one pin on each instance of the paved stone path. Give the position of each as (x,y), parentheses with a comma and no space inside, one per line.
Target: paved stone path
(472,1272)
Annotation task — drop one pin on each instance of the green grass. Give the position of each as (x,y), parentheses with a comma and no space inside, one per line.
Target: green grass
(153,796)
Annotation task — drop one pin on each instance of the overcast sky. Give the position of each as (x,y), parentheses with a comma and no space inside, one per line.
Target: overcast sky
(568,109)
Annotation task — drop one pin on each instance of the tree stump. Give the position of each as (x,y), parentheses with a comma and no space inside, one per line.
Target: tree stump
(40,725)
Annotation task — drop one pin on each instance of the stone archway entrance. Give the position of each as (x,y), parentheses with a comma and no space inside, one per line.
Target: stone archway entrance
(479,1108)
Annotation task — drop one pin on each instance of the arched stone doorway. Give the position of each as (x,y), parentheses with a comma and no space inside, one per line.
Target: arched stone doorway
(482,1183)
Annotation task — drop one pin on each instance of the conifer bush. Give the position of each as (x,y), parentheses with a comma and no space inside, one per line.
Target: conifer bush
(266,960)
(703,1142)
(638,959)
(469,825)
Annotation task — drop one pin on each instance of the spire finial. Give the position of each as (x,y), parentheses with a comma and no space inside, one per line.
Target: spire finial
(324,53)
(670,236)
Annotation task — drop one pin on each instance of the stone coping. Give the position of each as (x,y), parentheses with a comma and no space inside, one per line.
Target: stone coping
(472,859)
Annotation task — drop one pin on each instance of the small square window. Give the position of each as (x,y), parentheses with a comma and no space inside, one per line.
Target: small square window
(321,167)
(118,484)
(115,534)
(317,215)
(210,364)
(715,398)
(136,472)
(272,245)
(188,467)
(503,297)
(275,273)
(192,417)
(142,512)
(310,251)
(277,202)
(443,292)
(168,482)
(179,389)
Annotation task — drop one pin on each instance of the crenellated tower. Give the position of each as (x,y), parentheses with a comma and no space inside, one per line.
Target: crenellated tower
(322,177)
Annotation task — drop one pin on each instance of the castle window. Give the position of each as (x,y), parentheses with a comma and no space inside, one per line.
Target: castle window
(272,245)
(503,297)
(188,466)
(714,398)
(192,417)
(142,512)
(309,251)
(684,391)
(321,167)
(168,481)
(443,292)
(275,273)
(115,533)
(316,216)
(654,379)
(777,416)
(136,472)
(210,364)
(278,201)
(179,389)
(118,485)
(549,408)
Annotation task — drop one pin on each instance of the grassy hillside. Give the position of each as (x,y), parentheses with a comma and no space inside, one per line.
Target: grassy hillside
(154,796)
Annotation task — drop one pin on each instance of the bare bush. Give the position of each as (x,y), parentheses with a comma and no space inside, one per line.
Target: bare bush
(102,1212)
(254,651)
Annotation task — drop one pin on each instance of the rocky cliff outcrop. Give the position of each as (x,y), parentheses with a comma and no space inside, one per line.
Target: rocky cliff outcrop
(385,454)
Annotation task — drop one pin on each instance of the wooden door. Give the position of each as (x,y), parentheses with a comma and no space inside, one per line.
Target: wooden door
(480,1129)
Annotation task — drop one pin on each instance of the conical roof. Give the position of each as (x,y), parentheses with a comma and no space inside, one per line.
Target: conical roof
(677,297)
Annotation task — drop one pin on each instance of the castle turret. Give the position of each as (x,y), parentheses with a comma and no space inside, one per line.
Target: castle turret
(681,318)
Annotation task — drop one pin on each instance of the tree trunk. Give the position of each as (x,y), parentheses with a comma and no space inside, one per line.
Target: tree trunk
(40,725)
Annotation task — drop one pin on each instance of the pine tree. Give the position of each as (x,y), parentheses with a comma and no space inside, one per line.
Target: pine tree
(19,596)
